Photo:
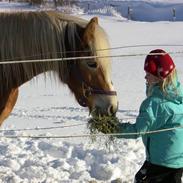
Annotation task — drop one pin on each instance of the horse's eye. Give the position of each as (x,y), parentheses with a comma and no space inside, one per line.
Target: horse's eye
(92,64)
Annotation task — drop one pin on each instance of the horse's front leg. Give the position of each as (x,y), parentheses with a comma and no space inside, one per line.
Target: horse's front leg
(8,105)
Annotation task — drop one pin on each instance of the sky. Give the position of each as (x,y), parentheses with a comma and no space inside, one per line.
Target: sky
(49,109)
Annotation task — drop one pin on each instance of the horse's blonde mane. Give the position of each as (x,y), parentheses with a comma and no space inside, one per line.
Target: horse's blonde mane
(34,35)
(39,35)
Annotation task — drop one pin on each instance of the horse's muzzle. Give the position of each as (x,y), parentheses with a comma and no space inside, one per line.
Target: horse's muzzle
(105,111)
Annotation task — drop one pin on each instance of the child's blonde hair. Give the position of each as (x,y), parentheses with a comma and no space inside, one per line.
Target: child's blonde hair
(164,84)
(170,80)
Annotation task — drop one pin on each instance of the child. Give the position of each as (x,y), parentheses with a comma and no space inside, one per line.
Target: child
(162,109)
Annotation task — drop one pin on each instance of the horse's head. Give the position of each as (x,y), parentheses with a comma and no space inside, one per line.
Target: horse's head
(90,79)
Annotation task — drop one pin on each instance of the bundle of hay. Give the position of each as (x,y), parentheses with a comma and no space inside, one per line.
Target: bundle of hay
(106,125)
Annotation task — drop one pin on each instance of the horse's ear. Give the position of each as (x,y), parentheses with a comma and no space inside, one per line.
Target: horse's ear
(89,30)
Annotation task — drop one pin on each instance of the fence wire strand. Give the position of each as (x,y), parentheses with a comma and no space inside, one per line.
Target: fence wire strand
(90,135)
(40,128)
(104,49)
(15,61)
(83,135)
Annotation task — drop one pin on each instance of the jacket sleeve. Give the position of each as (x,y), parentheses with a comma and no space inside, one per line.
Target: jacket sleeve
(144,122)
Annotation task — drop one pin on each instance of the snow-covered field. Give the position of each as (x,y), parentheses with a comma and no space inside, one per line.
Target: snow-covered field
(138,10)
(50,109)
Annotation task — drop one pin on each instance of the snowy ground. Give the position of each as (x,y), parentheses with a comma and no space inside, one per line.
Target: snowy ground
(50,105)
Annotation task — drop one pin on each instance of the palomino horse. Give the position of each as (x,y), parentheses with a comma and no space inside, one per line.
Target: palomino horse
(51,35)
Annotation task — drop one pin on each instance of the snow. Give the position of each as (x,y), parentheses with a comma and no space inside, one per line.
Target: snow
(48,108)
(138,10)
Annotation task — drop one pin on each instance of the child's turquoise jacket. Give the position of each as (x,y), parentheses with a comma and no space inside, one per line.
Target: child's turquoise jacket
(160,111)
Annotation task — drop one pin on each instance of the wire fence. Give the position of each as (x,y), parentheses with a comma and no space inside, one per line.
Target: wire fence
(80,58)
(17,61)
(83,135)
(91,135)
(41,128)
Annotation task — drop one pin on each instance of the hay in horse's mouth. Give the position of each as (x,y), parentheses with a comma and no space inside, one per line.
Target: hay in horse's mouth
(105,124)
(98,114)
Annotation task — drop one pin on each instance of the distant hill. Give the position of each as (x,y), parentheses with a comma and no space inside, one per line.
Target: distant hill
(162,10)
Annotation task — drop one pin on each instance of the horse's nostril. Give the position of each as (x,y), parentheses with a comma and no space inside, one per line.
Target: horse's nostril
(111,110)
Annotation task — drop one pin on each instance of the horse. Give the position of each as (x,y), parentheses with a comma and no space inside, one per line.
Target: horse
(41,38)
